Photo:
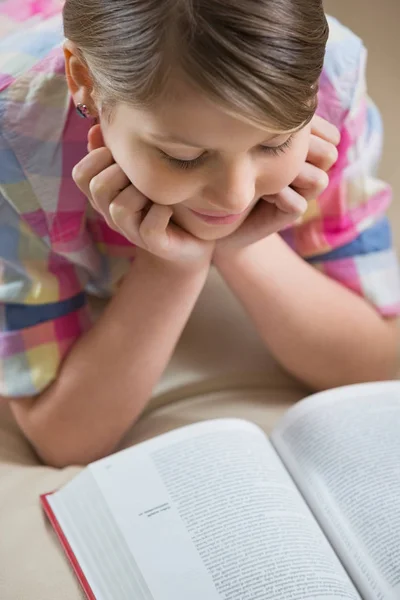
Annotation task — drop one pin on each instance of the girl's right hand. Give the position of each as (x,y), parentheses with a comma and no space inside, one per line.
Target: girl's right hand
(127,211)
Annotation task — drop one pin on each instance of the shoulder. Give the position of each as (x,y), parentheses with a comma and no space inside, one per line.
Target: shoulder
(27,36)
(31,62)
(40,136)
(344,48)
(343,75)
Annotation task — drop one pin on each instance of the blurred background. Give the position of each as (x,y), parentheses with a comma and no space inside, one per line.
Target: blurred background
(377,23)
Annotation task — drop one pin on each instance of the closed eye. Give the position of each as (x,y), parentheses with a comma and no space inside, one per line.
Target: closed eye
(184,164)
(196,162)
(278,150)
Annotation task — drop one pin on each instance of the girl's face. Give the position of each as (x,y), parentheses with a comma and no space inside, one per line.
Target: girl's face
(208,166)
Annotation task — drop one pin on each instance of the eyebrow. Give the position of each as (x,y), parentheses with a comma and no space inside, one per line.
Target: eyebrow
(173,139)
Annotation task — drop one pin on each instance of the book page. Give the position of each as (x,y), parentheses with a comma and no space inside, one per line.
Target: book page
(95,541)
(209,511)
(343,449)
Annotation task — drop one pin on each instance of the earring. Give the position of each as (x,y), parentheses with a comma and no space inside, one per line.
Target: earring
(83,111)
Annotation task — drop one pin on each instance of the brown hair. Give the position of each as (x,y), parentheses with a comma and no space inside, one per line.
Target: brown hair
(258,59)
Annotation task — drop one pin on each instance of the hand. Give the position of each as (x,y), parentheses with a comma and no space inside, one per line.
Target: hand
(274,213)
(127,211)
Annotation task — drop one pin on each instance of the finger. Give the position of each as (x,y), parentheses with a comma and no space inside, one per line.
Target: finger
(161,236)
(289,201)
(89,167)
(311,182)
(153,230)
(127,211)
(106,186)
(321,153)
(95,138)
(325,130)
(268,218)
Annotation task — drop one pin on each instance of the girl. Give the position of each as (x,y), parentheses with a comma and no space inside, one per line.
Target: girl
(203,150)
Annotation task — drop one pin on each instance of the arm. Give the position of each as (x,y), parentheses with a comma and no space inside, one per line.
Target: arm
(317,329)
(107,379)
(332,323)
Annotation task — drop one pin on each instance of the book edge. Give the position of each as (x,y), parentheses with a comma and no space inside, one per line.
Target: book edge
(66,546)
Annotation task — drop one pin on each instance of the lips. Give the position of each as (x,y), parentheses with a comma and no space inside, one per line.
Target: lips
(217,218)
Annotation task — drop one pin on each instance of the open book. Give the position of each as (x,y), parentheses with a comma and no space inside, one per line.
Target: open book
(216,511)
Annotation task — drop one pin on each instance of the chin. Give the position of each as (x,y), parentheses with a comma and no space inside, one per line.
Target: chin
(211,234)
(208,233)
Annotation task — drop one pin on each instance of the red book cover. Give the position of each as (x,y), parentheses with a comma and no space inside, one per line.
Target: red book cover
(67,548)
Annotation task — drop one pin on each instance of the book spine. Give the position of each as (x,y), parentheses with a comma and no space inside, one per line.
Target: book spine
(67,548)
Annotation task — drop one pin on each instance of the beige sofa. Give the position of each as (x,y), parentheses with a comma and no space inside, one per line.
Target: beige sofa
(229,374)
(220,368)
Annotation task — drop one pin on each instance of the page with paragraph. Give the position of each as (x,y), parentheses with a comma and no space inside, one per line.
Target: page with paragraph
(209,511)
(342,448)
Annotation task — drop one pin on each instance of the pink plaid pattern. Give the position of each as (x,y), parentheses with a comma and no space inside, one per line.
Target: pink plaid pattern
(54,249)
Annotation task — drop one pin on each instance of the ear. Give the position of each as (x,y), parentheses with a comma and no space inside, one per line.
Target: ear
(79,80)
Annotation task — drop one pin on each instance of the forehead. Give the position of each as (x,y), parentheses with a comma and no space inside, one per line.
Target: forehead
(186,113)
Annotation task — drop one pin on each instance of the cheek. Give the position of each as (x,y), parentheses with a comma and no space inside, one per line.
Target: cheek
(156,183)
(284,170)
(153,179)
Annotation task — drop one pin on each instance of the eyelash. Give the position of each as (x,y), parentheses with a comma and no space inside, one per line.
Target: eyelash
(278,150)
(184,164)
(196,162)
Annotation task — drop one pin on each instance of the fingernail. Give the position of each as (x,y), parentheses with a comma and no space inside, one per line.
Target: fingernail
(295,200)
(301,204)
(333,157)
(323,182)
(116,211)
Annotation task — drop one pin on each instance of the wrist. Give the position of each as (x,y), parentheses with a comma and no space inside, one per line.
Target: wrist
(226,254)
(169,268)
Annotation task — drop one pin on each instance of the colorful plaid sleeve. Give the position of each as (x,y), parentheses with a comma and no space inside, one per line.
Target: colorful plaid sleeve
(42,301)
(42,308)
(53,249)
(345,233)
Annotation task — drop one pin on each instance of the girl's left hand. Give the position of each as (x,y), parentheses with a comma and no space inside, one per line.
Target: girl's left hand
(274,213)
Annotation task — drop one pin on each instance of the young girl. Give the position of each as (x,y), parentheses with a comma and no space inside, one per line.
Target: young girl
(203,150)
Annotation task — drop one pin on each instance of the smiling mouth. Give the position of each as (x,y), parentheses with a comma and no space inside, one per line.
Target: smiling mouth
(217,218)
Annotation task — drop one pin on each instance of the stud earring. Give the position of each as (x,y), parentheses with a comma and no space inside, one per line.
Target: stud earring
(83,111)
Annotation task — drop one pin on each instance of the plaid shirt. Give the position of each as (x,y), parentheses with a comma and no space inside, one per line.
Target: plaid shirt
(54,250)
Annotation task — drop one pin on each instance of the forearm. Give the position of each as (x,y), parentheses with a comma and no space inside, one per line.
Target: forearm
(108,377)
(318,330)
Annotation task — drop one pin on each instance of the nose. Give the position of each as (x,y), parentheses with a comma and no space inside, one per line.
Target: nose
(233,187)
